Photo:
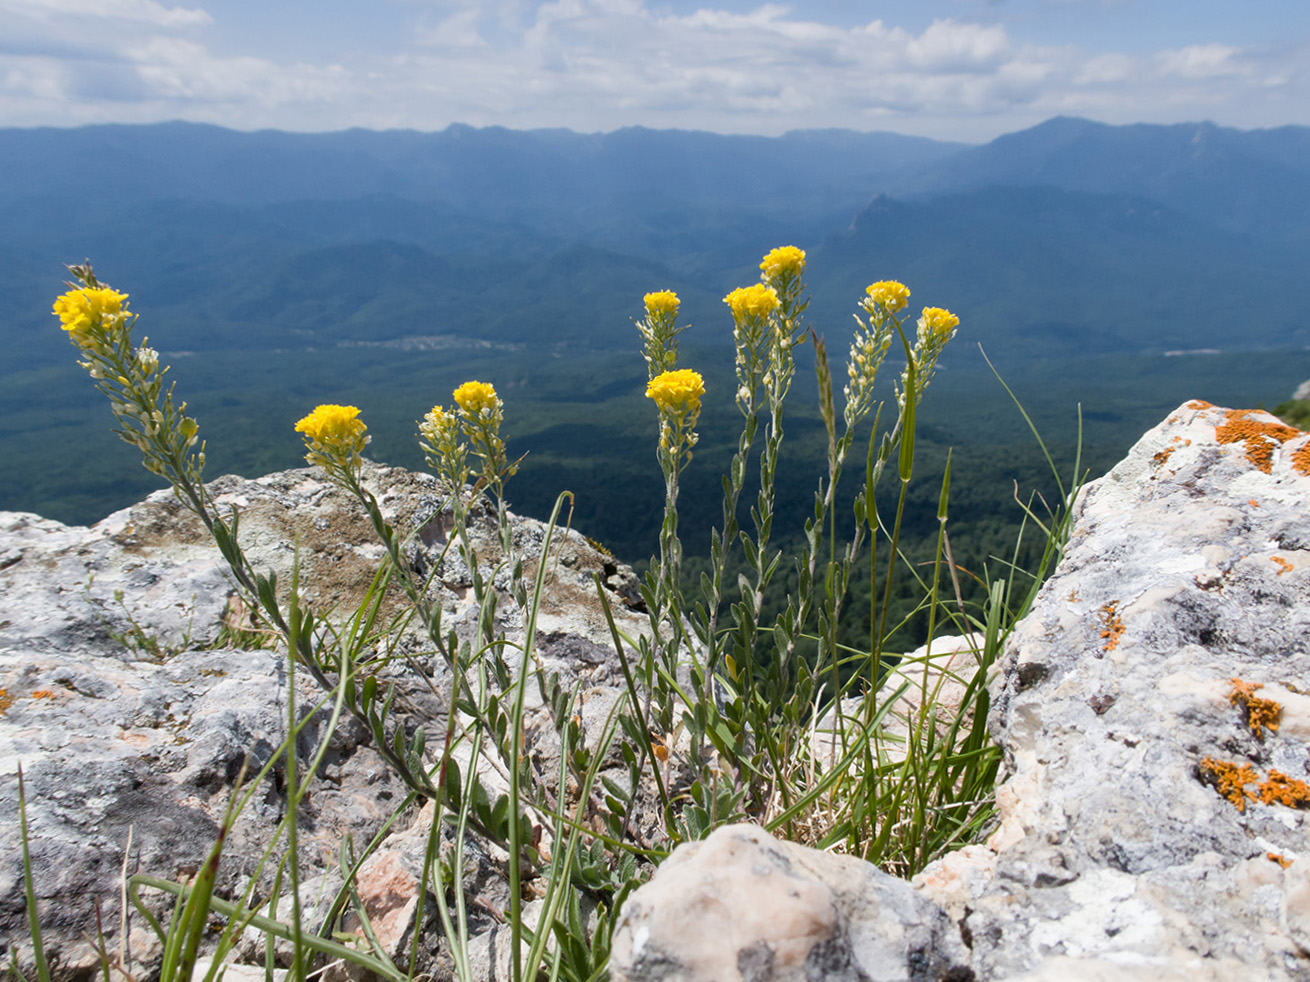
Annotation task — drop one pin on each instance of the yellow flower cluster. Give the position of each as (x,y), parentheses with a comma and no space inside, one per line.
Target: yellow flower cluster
(439,425)
(481,414)
(757,300)
(937,323)
(439,437)
(662,303)
(678,392)
(783,261)
(476,398)
(334,437)
(332,426)
(889,295)
(82,309)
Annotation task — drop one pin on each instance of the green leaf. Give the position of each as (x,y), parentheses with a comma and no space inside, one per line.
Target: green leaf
(945,495)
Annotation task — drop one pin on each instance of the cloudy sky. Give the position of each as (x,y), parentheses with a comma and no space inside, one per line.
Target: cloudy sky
(951,69)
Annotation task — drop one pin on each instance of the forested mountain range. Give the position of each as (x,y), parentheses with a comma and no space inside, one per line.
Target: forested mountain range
(383,267)
(281,238)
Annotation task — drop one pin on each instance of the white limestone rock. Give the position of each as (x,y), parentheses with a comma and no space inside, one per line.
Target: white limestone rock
(1115,856)
(743,905)
(127,720)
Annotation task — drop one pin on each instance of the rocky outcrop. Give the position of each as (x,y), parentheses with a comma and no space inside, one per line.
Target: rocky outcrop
(131,713)
(1153,709)
(1154,712)
(1153,822)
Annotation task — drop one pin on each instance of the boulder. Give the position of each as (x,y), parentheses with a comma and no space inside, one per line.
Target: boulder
(741,904)
(1153,716)
(132,714)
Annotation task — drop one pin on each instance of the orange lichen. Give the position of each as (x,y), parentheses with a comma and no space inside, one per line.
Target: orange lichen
(1114,627)
(1283,565)
(1261,714)
(1280,789)
(1230,780)
(43,694)
(1241,691)
(1301,459)
(1253,503)
(1073,597)
(6,700)
(1260,438)
(1282,861)
(1200,404)
(1162,457)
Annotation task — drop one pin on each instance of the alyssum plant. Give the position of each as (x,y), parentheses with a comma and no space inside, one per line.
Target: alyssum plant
(732,711)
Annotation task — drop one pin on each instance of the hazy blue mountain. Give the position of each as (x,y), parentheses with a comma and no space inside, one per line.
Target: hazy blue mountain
(1069,236)
(569,177)
(1043,272)
(1255,181)
(277,270)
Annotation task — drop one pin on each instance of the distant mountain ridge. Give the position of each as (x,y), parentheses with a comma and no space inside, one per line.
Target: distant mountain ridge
(1256,181)
(459,164)
(1071,232)
(279,270)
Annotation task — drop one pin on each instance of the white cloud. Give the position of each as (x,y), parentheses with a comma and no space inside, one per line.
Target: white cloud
(950,46)
(174,69)
(1200,61)
(1105,69)
(459,30)
(139,11)
(602,64)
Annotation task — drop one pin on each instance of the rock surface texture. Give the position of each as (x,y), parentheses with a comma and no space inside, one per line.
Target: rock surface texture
(743,905)
(131,715)
(1153,709)
(1154,715)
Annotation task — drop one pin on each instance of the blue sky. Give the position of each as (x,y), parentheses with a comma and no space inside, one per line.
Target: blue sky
(949,69)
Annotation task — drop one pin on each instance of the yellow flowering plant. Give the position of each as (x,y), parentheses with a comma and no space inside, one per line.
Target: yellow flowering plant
(727,689)
(477,399)
(873,337)
(659,331)
(677,392)
(100,325)
(343,657)
(90,313)
(661,303)
(936,326)
(677,395)
(129,374)
(481,413)
(335,438)
(757,301)
(783,263)
(739,689)
(885,297)
(443,449)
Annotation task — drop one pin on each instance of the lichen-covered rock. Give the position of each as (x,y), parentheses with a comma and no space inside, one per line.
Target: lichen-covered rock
(1153,819)
(741,904)
(131,717)
(1154,712)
